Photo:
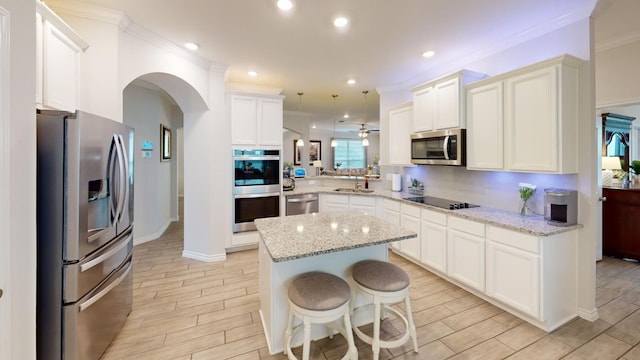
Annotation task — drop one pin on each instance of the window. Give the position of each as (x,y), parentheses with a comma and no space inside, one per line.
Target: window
(350,154)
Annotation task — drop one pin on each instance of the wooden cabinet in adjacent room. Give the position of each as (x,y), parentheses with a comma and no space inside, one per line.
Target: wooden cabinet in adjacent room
(620,225)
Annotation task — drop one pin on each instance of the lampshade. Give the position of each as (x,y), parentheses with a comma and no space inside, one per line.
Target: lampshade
(300,142)
(317,163)
(365,142)
(334,143)
(611,163)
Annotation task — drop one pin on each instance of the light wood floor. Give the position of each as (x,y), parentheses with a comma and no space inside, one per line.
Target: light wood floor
(186,309)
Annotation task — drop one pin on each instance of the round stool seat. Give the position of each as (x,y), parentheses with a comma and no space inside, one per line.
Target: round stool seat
(319,291)
(380,276)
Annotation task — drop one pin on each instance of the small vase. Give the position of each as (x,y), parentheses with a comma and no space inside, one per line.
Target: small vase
(523,207)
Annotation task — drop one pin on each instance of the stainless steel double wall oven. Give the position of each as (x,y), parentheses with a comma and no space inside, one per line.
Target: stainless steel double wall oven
(256,186)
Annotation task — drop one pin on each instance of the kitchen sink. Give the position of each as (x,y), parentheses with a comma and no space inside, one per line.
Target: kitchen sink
(351,190)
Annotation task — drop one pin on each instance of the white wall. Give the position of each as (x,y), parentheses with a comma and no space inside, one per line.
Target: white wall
(155,185)
(618,75)
(17,180)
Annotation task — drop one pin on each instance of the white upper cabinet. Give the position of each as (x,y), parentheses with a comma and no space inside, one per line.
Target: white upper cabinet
(485,119)
(400,125)
(526,120)
(58,50)
(256,120)
(439,104)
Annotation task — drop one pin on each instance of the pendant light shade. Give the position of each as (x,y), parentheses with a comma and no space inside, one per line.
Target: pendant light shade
(334,142)
(363,131)
(300,142)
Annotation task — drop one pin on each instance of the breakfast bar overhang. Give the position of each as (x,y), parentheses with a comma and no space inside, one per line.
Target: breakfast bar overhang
(329,242)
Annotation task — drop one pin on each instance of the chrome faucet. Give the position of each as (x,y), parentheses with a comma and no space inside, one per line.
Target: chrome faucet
(355,173)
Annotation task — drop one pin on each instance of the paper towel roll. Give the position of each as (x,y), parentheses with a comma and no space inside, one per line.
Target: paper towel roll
(396,182)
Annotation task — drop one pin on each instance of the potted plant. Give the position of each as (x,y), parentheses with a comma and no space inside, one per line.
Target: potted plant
(635,168)
(287,167)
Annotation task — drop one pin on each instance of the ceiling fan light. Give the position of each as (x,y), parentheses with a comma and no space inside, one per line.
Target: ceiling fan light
(365,142)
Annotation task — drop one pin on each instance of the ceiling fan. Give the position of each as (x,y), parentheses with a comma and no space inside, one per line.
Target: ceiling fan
(363,131)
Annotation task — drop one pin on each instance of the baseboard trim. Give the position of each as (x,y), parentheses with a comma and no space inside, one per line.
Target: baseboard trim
(590,315)
(157,234)
(204,257)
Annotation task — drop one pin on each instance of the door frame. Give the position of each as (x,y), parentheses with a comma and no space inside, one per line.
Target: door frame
(5,245)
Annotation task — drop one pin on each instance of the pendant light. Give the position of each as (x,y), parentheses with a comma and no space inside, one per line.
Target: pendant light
(300,142)
(334,142)
(363,134)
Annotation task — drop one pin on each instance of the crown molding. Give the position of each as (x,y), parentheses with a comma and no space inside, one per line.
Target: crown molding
(626,39)
(119,18)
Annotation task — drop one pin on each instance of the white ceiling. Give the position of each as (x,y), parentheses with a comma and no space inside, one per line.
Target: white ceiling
(301,51)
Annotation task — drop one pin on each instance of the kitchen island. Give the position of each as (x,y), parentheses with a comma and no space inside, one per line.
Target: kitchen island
(329,242)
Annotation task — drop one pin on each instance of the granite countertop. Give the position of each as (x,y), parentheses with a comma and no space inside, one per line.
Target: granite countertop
(530,224)
(298,236)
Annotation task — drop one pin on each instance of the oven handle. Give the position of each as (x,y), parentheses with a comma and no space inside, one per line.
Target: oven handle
(249,196)
(272,157)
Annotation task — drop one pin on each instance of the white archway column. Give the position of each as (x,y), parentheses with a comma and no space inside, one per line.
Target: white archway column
(207,174)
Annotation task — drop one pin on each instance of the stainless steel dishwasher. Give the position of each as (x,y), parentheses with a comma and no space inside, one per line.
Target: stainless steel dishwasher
(302,204)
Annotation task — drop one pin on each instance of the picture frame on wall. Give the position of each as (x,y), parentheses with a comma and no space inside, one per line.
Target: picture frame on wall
(165,143)
(315,151)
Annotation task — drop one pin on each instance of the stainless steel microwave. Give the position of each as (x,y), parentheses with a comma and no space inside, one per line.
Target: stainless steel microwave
(443,147)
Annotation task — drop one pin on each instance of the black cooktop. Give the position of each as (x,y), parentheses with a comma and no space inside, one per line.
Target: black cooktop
(441,203)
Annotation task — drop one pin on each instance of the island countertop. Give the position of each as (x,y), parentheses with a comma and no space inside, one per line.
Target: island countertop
(298,236)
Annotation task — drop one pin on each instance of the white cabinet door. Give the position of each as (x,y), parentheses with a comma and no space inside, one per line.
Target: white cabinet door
(244,120)
(531,121)
(392,217)
(485,120)
(411,247)
(513,277)
(433,247)
(60,61)
(466,258)
(366,204)
(270,122)
(400,125)
(423,109)
(447,106)
(330,202)
(255,120)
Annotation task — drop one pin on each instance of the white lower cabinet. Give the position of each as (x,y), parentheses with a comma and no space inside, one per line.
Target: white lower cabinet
(433,245)
(513,277)
(466,257)
(330,203)
(366,204)
(390,212)
(410,220)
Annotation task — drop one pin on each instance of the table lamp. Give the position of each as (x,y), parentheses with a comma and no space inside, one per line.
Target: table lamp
(609,163)
(317,164)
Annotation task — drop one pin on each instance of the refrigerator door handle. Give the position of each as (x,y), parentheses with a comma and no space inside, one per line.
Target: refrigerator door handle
(110,172)
(125,176)
(89,264)
(92,300)
(121,172)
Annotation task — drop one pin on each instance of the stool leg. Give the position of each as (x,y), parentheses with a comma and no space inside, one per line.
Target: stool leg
(306,346)
(376,329)
(412,326)
(353,351)
(287,333)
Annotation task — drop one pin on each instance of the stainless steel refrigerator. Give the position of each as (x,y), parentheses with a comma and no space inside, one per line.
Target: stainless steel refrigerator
(85,233)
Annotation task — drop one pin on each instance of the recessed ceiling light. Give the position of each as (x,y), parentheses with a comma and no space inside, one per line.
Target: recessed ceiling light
(428,54)
(252,73)
(313,126)
(346,116)
(340,21)
(191,46)
(284,4)
(351,81)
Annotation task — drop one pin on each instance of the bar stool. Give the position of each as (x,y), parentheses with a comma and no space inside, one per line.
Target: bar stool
(386,284)
(319,298)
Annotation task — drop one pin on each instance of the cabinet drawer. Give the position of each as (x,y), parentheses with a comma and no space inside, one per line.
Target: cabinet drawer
(337,199)
(434,217)
(410,210)
(467,226)
(391,205)
(360,200)
(514,239)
